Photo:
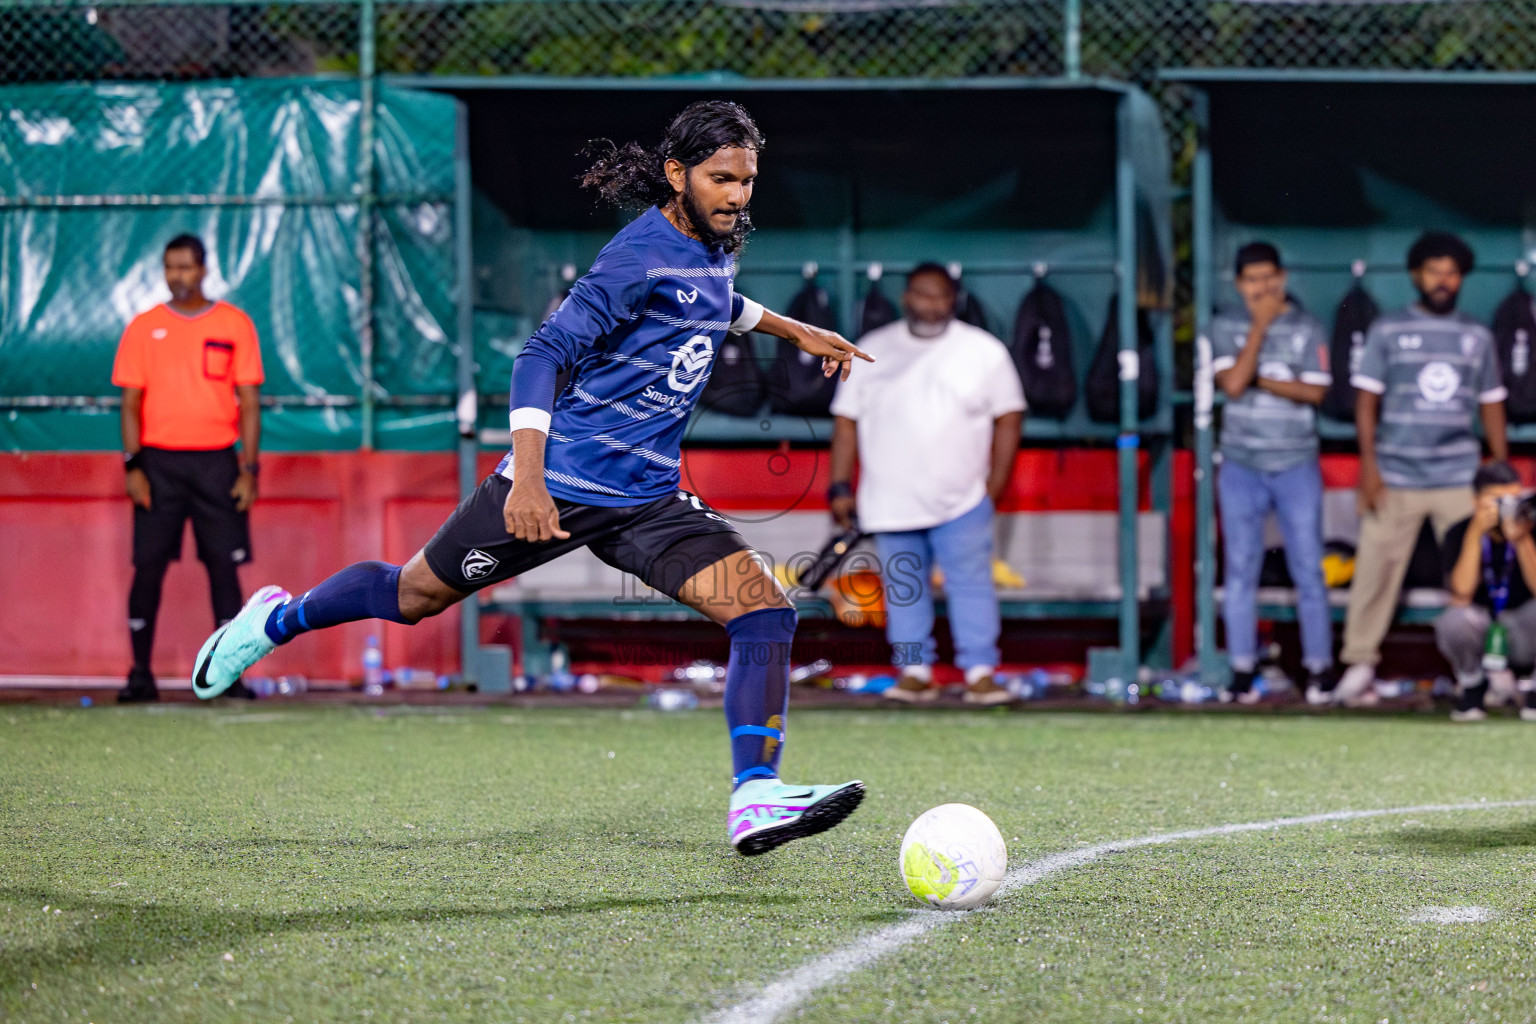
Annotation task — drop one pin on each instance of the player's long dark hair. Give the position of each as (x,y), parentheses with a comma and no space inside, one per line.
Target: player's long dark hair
(633,177)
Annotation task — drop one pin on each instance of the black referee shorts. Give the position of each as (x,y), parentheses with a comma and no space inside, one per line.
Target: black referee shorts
(193,484)
(665,542)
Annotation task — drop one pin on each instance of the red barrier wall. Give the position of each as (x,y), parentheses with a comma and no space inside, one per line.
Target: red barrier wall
(65,531)
(65,560)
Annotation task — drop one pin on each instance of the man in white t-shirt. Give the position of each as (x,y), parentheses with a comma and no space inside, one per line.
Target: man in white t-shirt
(934,426)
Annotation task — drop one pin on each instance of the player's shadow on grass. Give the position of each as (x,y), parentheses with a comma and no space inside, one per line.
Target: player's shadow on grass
(1466,840)
(504,842)
(120,935)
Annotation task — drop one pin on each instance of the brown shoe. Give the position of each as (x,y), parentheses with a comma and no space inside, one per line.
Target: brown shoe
(911,690)
(986,691)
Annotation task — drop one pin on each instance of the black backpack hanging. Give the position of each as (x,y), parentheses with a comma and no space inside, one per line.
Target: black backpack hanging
(1356,311)
(875,310)
(1102,385)
(1514,331)
(795,382)
(1042,353)
(735,384)
(968,308)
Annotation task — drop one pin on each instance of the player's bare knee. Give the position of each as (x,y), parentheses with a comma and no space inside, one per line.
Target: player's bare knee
(422,594)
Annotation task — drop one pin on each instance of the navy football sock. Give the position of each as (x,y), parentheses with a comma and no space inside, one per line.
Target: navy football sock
(365,590)
(757,690)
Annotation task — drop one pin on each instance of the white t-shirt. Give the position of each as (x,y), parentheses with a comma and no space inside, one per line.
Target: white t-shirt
(925,410)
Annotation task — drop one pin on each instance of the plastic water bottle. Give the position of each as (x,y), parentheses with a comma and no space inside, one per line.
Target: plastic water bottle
(373,668)
(1192,691)
(673,698)
(560,678)
(1115,690)
(291,686)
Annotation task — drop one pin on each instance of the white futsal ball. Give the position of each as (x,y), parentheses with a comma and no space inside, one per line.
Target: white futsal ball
(953,857)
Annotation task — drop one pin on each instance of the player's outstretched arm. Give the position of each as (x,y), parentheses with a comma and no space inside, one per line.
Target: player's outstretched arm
(836,351)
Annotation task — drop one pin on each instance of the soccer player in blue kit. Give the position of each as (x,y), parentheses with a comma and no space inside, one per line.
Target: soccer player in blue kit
(598,463)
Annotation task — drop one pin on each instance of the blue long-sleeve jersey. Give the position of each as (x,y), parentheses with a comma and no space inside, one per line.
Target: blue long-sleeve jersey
(639,333)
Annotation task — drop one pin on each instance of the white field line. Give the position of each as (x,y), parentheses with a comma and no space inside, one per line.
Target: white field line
(1451,915)
(794,987)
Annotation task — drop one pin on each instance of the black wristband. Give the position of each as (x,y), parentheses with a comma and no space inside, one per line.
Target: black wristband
(253,468)
(133,461)
(839,489)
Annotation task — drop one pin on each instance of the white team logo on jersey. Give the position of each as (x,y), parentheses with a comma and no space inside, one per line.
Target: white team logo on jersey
(687,297)
(477,564)
(690,364)
(1438,381)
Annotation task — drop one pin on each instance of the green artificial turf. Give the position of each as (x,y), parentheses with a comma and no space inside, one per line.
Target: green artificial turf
(272,863)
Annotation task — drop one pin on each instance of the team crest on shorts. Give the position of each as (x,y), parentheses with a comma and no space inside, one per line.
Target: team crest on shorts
(477,564)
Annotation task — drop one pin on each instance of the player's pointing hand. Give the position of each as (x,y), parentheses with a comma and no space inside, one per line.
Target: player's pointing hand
(836,351)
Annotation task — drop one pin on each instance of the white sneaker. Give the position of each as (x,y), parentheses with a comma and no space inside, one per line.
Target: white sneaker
(1472,715)
(1528,714)
(1357,687)
(236,646)
(1503,691)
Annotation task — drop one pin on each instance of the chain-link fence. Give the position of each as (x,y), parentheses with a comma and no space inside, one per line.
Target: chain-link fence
(116,46)
(51,40)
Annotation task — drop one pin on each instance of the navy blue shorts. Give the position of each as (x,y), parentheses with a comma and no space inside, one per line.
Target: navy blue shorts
(665,542)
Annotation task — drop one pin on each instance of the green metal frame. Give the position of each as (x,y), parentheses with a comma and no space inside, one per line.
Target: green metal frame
(1203,211)
(1128,436)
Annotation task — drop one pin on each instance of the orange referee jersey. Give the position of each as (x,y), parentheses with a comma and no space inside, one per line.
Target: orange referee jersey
(188,367)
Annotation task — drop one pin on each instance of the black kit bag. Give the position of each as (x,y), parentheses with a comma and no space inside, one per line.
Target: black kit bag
(735,382)
(1102,385)
(1514,331)
(875,310)
(1350,323)
(796,384)
(968,308)
(1042,353)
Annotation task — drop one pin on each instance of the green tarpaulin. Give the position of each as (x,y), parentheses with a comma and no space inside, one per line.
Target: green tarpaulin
(96,178)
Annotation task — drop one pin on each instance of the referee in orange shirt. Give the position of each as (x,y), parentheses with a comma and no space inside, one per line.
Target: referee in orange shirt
(190,370)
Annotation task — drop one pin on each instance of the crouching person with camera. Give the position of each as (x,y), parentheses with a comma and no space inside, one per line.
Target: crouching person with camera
(1488,633)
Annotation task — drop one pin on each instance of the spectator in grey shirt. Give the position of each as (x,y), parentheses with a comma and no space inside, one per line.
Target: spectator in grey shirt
(1425,373)
(1271,360)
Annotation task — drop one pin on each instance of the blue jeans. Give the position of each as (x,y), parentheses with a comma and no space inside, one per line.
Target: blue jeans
(963,548)
(1296,496)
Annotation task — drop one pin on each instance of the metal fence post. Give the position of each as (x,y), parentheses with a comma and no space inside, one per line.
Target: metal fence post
(1201,212)
(1072,39)
(367,79)
(469,403)
(1127,445)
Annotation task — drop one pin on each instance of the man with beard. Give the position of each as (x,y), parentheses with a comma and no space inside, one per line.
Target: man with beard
(638,334)
(934,427)
(1425,373)
(190,370)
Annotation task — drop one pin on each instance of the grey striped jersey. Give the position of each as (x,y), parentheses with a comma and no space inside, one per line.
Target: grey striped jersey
(1432,373)
(1261,430)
